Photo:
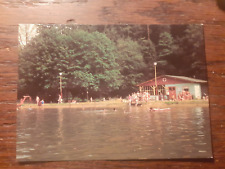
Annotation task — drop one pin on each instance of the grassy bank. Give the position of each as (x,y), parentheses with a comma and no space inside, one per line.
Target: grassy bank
(119,103)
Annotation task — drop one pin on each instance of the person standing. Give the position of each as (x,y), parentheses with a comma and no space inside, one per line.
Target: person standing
(37,99)
(60,99)
(129,99)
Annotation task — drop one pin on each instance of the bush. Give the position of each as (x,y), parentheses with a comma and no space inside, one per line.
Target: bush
(77,99)
(84,100)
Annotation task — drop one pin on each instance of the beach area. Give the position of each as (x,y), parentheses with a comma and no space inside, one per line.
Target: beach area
(114,103)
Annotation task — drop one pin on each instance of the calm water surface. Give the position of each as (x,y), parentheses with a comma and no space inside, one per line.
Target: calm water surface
(45,134)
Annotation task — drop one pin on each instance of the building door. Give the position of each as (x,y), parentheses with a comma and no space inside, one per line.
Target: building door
(172,93)
(197,92)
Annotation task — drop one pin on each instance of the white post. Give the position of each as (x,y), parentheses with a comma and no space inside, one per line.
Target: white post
(60,84)
(155,64)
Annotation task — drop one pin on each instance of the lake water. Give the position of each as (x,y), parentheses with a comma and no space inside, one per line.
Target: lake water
(51,134)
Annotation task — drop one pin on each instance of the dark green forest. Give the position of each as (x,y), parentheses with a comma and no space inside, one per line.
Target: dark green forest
(106,60)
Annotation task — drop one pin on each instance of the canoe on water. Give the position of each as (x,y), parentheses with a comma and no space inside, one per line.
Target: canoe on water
(157,109)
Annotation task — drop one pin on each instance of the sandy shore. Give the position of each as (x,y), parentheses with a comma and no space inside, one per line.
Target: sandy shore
(119,103)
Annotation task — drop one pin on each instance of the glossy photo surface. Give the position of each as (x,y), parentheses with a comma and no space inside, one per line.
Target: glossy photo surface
(112,92)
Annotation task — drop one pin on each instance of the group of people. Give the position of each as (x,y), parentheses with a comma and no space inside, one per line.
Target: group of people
(136,98)
(184,95)
(39,101)
(145,97)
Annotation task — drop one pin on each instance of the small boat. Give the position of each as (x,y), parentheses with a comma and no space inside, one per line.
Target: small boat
(158,109)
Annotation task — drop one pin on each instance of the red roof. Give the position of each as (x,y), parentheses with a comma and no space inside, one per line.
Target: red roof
(169,79)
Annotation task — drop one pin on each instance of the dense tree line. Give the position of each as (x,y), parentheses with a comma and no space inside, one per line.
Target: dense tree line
(106,60)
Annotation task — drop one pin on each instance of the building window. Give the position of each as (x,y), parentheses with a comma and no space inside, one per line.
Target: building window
(161,89)
(186,89)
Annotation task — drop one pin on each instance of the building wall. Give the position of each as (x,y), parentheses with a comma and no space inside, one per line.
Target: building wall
(194,89)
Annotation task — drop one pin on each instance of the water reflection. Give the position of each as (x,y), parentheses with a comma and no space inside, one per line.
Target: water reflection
(106,133)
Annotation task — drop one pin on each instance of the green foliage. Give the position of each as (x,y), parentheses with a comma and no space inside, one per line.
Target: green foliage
(87,62)
(106,60)
(148,51)
(189,56)
(165,44)
(131,63)
(91,62)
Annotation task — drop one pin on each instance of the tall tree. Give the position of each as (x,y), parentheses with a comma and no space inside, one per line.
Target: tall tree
(131,63)
(87,61)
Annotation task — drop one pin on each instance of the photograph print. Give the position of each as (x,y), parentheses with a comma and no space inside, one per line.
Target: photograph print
(112,92)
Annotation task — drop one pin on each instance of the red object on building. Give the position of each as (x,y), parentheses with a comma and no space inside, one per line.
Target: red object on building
(169,79)
(170,87)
